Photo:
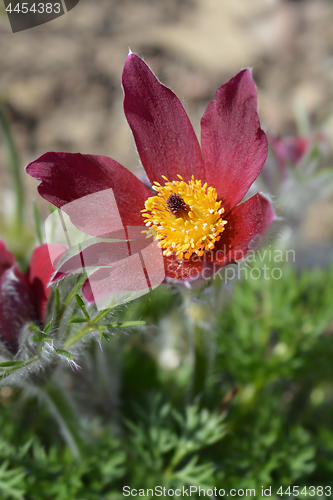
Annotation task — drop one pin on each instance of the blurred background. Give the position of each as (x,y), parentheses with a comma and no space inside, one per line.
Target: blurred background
(230,385)
(61,81)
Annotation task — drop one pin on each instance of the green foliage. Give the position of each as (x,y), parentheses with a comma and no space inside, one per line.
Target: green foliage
(165,442)
(127,418)
(168,444)
(39,473)
(63,330)
(275,345)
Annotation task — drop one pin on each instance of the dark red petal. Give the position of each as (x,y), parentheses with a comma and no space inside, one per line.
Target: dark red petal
(108,253)
(163,133)
(233,145)
(246,222)
(123,280)
(96,214)
(87,291)
(16,306)
(40,272)
(66,177)
(56,277)
(7,259)
(95,255)
(184,270)
(131,265)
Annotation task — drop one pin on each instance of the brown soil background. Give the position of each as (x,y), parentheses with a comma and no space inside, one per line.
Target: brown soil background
(61,81)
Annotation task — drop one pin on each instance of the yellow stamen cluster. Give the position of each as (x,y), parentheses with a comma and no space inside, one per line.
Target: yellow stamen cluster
(185,217)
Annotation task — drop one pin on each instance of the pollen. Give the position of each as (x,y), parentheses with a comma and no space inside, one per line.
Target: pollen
(186,218)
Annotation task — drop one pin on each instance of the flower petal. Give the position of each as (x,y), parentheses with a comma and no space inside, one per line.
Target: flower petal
(122,281)
(7,259)
(126,279)
(185,270)
(233,145)
(96,214)
(134,261)
(246,222)
(40,272)
(163,133)
(16,306)
(95,255)
(66,177)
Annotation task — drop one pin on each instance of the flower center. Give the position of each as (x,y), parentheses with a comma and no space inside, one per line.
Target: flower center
(185,217)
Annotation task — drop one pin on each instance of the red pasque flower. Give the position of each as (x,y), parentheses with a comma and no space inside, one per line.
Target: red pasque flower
(194,213)
(290,149)
(23,296)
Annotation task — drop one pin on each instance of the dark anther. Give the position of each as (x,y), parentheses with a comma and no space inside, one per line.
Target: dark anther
(176,205)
